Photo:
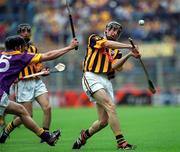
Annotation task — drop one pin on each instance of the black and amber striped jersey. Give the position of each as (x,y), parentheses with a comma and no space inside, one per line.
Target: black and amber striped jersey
(32,68)
(99,59)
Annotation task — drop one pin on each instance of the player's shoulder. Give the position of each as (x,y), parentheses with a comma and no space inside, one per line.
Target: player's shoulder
(31,44)
(95,37)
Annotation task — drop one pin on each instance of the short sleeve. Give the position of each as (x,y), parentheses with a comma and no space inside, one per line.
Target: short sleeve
(96,41)
(36,58)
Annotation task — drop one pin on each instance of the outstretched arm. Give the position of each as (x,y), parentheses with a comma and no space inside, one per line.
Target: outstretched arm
(116,45)
(50,55)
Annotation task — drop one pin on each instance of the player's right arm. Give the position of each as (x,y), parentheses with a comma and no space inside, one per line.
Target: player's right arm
(50,55)
(116,45)
(96,41)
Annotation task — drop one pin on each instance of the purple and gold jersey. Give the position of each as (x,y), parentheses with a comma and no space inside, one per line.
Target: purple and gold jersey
(11,64)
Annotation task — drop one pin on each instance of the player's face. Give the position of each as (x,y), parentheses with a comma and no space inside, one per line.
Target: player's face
(26,33)
(113,33)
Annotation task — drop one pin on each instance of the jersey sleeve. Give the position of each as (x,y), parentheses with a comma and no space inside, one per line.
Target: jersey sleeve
(36,58)
(96,41)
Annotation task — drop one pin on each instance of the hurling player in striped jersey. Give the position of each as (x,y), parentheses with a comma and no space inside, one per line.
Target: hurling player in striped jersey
(102,60)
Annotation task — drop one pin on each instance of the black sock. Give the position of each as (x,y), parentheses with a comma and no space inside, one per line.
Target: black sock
(120,139)
(46,129)
(87,133)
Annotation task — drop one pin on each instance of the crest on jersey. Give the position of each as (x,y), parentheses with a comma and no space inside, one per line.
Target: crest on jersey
(97,38)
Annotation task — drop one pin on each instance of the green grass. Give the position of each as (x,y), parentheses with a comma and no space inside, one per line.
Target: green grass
(152,129)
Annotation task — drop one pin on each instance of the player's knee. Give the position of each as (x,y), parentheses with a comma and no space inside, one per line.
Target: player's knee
(112,109)
(107,100)
(21,111)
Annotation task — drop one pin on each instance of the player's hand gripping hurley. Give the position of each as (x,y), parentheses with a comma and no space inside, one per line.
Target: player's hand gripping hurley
(150,83)
(58,68)
(71,22)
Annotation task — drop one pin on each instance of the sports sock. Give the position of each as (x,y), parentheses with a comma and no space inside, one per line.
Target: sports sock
(120,139)
(87,134)
(46,129)
(40,131)
(9,128)
(44,135)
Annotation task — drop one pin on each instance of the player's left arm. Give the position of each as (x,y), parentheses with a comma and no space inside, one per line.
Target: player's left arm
(117,56)
(120,62)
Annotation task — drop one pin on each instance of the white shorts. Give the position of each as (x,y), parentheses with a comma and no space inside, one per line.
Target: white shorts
(28,90)
(93,82)
(3,103)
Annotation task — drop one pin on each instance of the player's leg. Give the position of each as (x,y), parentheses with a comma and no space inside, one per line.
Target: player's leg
(2,121)
(19,110)
(95,127)
(20,92)
(17,121)
(105,100)
(46,107)
(41,96)
(101,122)
(92,84)
(23,93)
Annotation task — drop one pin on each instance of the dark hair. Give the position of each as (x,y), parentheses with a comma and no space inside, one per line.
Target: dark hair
(22,27)
(114,24)
(14,41)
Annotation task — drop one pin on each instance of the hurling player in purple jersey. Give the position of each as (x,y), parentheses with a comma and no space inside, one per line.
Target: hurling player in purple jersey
(12,61)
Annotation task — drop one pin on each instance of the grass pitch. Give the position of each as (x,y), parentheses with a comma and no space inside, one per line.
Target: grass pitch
(152,129)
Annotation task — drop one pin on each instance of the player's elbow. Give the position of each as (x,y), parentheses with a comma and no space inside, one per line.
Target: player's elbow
(106,44)
(119,69)
(47,57)
(116,67)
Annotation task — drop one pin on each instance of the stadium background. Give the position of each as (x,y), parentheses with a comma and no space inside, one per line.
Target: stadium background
(158,40)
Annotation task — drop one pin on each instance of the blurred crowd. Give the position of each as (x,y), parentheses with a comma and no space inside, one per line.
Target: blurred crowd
(50,27)
(49,18)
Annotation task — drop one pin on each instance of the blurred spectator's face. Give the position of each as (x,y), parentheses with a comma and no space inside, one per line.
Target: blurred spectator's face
(112,33)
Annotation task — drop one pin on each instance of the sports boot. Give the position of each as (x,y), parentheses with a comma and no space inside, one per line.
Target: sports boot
(3,137)
(125,146)
(81,140)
